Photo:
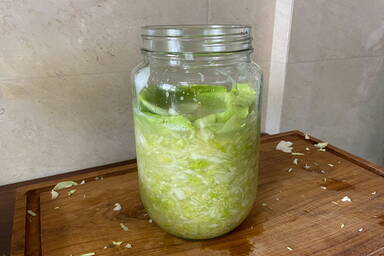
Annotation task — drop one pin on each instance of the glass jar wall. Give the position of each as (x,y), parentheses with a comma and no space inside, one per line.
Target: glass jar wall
(197,127)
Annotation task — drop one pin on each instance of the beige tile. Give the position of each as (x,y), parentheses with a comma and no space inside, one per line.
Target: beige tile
(258,13)
(299,83)
(49,38)
(340,101)
(54,125)
(334,29)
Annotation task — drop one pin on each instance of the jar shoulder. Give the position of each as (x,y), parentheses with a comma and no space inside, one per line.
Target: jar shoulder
(139,76)
(226,75)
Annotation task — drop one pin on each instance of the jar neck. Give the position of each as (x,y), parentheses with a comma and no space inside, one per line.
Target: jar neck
(197,59)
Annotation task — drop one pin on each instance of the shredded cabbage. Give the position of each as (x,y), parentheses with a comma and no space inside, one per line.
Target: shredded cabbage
(197,162)
(64,184)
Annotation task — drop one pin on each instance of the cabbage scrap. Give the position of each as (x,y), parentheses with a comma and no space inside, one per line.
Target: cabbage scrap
(32,213)
(321,145)
(285,146)
(54,194)
(64,185)
(124,227)
(346,199)
(117,207)
(71,192)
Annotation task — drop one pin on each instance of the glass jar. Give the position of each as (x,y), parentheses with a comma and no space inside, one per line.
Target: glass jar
(197,127)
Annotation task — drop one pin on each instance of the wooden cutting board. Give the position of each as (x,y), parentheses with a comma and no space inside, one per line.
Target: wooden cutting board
(297,213)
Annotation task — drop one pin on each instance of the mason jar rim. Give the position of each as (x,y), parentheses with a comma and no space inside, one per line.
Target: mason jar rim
(197,38)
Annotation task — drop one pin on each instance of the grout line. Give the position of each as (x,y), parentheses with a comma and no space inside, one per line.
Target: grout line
(59,76)
(335,59)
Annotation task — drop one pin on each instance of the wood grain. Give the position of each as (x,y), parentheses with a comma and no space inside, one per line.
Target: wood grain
(8,195)
(296,213)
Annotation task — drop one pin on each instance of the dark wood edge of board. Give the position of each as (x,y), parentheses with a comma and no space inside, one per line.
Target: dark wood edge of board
(27,193)
(65,175)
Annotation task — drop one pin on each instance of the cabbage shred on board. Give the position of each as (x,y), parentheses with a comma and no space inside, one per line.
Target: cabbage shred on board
(197,152)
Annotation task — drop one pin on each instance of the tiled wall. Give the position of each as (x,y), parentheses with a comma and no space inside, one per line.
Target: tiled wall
(64,80)
(64,75)
(335,74)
